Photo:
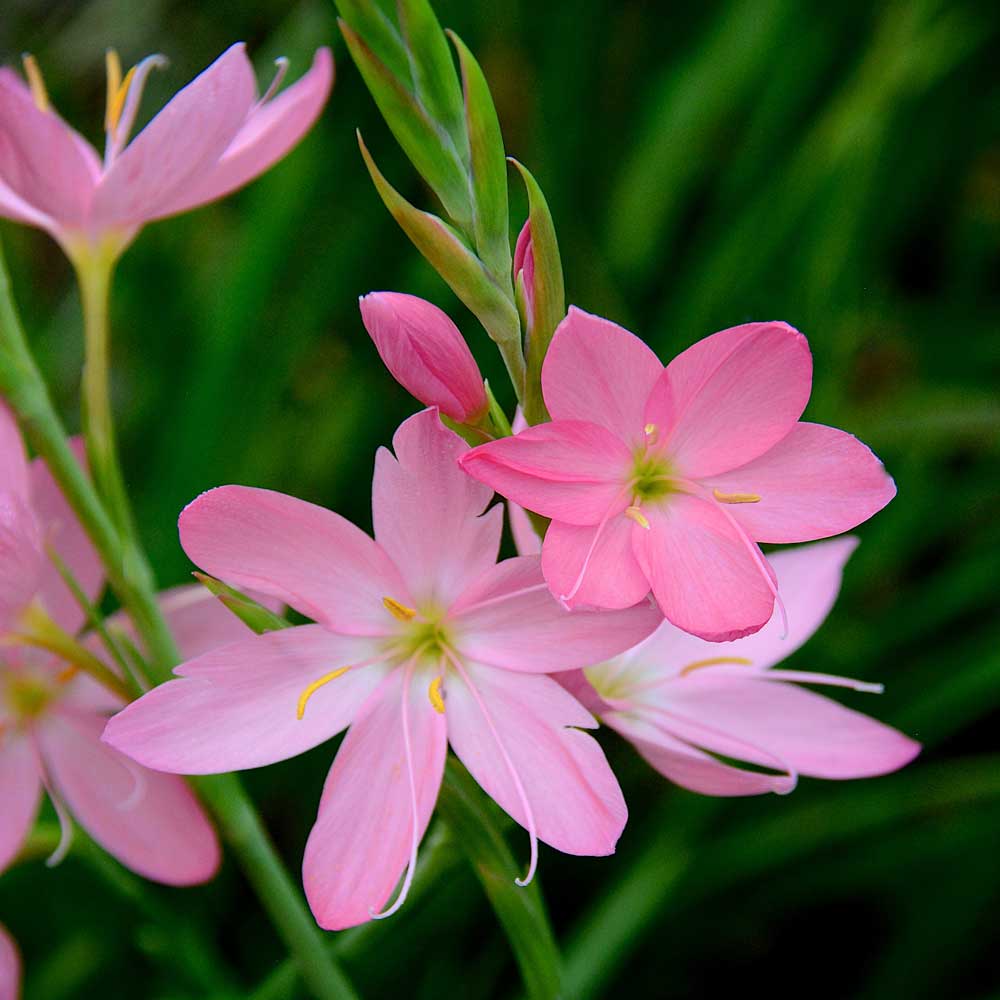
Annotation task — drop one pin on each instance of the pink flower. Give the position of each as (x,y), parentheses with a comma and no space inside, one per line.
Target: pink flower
(10,967)
(421,640)
(426,354)
(524,268)
(52,716)
(666,478)
(214,136)
(684,702)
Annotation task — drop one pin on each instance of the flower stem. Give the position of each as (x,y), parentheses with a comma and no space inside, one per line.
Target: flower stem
(132,579)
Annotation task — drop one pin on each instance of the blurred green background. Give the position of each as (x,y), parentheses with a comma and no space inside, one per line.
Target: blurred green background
(833,165)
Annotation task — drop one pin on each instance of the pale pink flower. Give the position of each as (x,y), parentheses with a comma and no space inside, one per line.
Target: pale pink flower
(214,136)
(421,639)
(426,354)
(685,703)
(52,715)
(667,478)
(10,967)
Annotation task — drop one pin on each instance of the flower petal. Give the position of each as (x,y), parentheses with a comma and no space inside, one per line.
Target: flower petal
(731,396)
(576,804)
(150,822)
(816,482)
(10,967)
(612,578)
(690,767)
(427,511)
(270,131)
(180,146)
(814,735)
(509,619)
(597,371)
(13,461)
(364,831)
(309,557)
(47,168)
(703,576)
(62,530)
(20,557)
(236,707)
(569,470)
(20,793)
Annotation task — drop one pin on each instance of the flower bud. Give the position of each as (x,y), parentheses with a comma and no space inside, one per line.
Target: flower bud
(426,353)
(524,270)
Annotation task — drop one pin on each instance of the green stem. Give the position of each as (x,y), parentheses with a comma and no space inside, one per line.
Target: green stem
(132,579)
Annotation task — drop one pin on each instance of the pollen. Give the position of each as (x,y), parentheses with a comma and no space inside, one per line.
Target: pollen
(36,82)
(715,661)
(399,611)
(634,514)
(315,686)
(735,497)
(435,695)
(652,432)
(117,89)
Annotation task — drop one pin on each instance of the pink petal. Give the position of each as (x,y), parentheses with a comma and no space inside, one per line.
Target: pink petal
(599,372)
(689,767)
(150,822)
(575,802)
(730,397)
(703,576)
(10,967)
(426,353)
(20,557)
(611,575)
(270,131)
(569,470)
(236,707)
(63,531)
(47,169)
(814,735)
(527,541)
(20,793)
(365,829)
(13,461)
(427,511)
(180,146)
(816,482)
(309,557)
(509,619)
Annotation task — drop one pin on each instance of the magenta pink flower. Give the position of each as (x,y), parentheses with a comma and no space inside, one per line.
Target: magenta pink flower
(666,478)
(52,716)
(214,136)
(426,354)
(684,702)
(10,967)
(524,268)
(421,640)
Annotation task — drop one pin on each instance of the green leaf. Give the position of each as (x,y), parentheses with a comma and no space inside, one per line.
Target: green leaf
(549,293)
(433,69)
(435,159)
(475,823)
(461,269)
(491,223)
(252,614)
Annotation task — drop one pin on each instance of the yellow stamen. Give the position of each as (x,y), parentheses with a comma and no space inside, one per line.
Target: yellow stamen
(65,676)
(315,686)
(652,432)
(36,82)
(634,514)
(117,89)
(735,497)
(715,661)
(434,693)
(399,611)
